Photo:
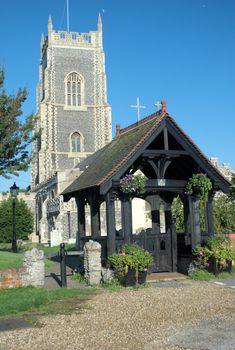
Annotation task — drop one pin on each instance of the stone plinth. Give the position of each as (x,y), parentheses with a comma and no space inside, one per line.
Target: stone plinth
(35,267)
(92,262)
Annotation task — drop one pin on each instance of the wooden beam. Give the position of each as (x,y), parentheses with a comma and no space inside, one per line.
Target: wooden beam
(166,143)
(155,184)
(110,219)
(81,232)
(194,221)
(162,152)
(126,210)
(209,214)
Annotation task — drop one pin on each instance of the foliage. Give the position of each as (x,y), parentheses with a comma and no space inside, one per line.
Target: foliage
(131,257)
(232,189)
(203,255)
(79,277)
(112,286)
(19,300)
(178,214)
(24,220)
(224,214)
(221,249)
(133,184)
(201,275)
(223,275)
(199,185)
(15,136)
(218,248)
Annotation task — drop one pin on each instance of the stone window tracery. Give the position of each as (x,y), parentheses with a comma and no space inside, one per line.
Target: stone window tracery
(74,90)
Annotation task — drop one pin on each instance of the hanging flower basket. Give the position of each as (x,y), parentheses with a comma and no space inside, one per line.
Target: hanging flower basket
(133,184)
(199,186)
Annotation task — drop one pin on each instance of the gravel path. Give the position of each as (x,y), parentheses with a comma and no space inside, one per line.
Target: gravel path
(140,320)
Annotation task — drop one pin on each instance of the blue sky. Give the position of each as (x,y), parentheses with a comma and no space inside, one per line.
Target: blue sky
(179,50)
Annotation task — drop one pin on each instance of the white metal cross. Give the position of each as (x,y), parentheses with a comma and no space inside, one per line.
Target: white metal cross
(138,107)
(158,105)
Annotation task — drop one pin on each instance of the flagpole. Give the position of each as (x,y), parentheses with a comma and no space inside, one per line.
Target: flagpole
(67,16)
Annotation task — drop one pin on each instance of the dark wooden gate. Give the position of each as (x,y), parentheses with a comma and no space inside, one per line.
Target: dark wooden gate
(160,246)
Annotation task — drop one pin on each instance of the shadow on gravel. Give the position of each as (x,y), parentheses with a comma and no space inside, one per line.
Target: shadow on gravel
(15,323)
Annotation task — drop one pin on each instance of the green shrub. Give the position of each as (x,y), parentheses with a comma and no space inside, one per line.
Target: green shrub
(131,257)
(218,248)
(79,277)
(201,275)
(223,275)
(24,220)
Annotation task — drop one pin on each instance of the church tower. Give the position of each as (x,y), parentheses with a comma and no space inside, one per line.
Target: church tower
(74,117)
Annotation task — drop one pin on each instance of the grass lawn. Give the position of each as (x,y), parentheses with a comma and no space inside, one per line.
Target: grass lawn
(10,260)
(18,301)
(30,245)
(14,260)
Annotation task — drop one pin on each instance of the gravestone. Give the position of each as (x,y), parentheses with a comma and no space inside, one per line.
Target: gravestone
(56,238)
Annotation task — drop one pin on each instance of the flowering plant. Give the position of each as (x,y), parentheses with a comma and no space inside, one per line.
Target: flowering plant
(133,257)
(199,185)
(218,248)
(202,256)
(133,183)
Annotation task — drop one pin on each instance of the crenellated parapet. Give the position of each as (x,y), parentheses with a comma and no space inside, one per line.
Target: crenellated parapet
(92,39)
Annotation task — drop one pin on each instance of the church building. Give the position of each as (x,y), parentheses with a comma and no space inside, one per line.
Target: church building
(74,121)
(77,169)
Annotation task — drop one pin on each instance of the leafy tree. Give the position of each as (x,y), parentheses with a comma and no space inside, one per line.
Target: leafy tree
(232,189)
(224,214)
(15,135)
(178,214)
(24,220)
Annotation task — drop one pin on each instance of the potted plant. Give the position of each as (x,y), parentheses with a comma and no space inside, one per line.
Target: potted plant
(216,256)
(133,184)
(131,264)
(199,186)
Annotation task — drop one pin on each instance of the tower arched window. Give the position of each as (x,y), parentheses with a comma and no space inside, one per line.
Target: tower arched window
(76,142)
(74,89)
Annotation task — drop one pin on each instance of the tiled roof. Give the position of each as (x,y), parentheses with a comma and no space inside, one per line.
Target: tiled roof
(198,150)
(111,157)
(109,160)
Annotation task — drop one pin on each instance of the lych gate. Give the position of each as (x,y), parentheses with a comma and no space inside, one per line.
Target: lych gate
(158,148)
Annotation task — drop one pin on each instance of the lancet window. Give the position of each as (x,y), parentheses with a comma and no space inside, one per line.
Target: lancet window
(76,142)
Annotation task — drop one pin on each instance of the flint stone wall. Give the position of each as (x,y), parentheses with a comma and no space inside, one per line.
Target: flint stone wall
(92,262)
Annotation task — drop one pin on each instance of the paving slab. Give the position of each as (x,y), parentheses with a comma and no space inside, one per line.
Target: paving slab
(172,284)
(212,334)
(229,282)
(165,276)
